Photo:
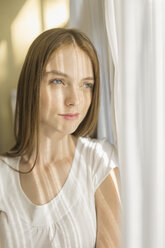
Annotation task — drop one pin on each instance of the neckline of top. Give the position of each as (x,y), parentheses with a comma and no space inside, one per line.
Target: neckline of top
(56,198)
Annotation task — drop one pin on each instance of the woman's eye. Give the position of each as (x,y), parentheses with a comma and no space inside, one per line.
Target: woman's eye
(88,85)
(56,81)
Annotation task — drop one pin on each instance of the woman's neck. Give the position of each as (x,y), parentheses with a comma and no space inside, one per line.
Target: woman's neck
(52,149)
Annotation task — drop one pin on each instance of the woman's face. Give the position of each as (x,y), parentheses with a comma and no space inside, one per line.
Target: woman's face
(66,88)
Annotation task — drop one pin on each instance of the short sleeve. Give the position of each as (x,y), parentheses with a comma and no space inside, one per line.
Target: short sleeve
(105,160)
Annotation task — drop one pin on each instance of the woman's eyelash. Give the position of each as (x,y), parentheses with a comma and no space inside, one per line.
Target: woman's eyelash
(54,81)
(90,85)
(59,81)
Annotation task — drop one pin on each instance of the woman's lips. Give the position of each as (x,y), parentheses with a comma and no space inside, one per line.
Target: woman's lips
(70,116)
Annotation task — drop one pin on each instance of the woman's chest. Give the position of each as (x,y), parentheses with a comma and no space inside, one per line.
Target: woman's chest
(53,227)
(42,186)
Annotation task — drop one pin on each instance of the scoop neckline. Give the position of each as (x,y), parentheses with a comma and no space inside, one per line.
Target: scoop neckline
(56,198)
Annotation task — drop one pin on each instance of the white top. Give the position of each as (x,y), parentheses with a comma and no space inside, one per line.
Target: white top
(69,219)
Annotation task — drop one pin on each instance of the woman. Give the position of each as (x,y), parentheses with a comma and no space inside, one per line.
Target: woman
(56,184)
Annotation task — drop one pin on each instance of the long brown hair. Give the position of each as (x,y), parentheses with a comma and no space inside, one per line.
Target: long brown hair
(26,126)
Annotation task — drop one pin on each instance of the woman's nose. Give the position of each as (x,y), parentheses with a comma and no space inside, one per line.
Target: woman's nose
(73,97)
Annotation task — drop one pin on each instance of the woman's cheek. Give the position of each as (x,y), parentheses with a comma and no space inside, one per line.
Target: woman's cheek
(88,99)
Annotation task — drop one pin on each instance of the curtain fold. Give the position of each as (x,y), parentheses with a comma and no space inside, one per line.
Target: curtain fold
(139,95)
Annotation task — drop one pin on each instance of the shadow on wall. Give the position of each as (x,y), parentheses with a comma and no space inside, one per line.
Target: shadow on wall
(20,22)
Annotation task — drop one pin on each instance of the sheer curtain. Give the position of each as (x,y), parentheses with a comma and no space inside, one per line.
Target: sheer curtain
(139,100)
(132,51)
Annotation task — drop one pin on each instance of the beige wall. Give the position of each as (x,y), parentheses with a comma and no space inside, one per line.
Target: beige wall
(20,22)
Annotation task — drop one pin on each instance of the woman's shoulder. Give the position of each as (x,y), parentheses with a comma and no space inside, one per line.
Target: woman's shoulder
(4,173)
(99,155)
(3,162)
(99,145)
(6,164)
(101,150)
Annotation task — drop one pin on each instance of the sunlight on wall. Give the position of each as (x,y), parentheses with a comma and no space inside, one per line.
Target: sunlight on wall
(56,13)
(3,60)
(24,29)
(28,24)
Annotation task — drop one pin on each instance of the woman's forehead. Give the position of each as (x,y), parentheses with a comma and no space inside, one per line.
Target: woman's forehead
(71,60)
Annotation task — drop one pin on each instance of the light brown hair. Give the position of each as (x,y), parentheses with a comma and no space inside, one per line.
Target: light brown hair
(26,126)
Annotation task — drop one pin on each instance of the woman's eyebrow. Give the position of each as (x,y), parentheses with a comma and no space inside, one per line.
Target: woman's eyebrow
(88,78)
(65,75)
(57,73)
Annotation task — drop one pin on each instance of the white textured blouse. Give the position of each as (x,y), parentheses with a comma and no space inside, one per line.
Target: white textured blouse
(69,219)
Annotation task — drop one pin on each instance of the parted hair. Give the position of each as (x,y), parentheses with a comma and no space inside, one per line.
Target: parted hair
(26,123)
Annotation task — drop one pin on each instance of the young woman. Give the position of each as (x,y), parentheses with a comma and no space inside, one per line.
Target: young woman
(57,186)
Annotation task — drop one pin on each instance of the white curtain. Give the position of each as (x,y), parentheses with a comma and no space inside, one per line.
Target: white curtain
(133,36)
(137,41)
